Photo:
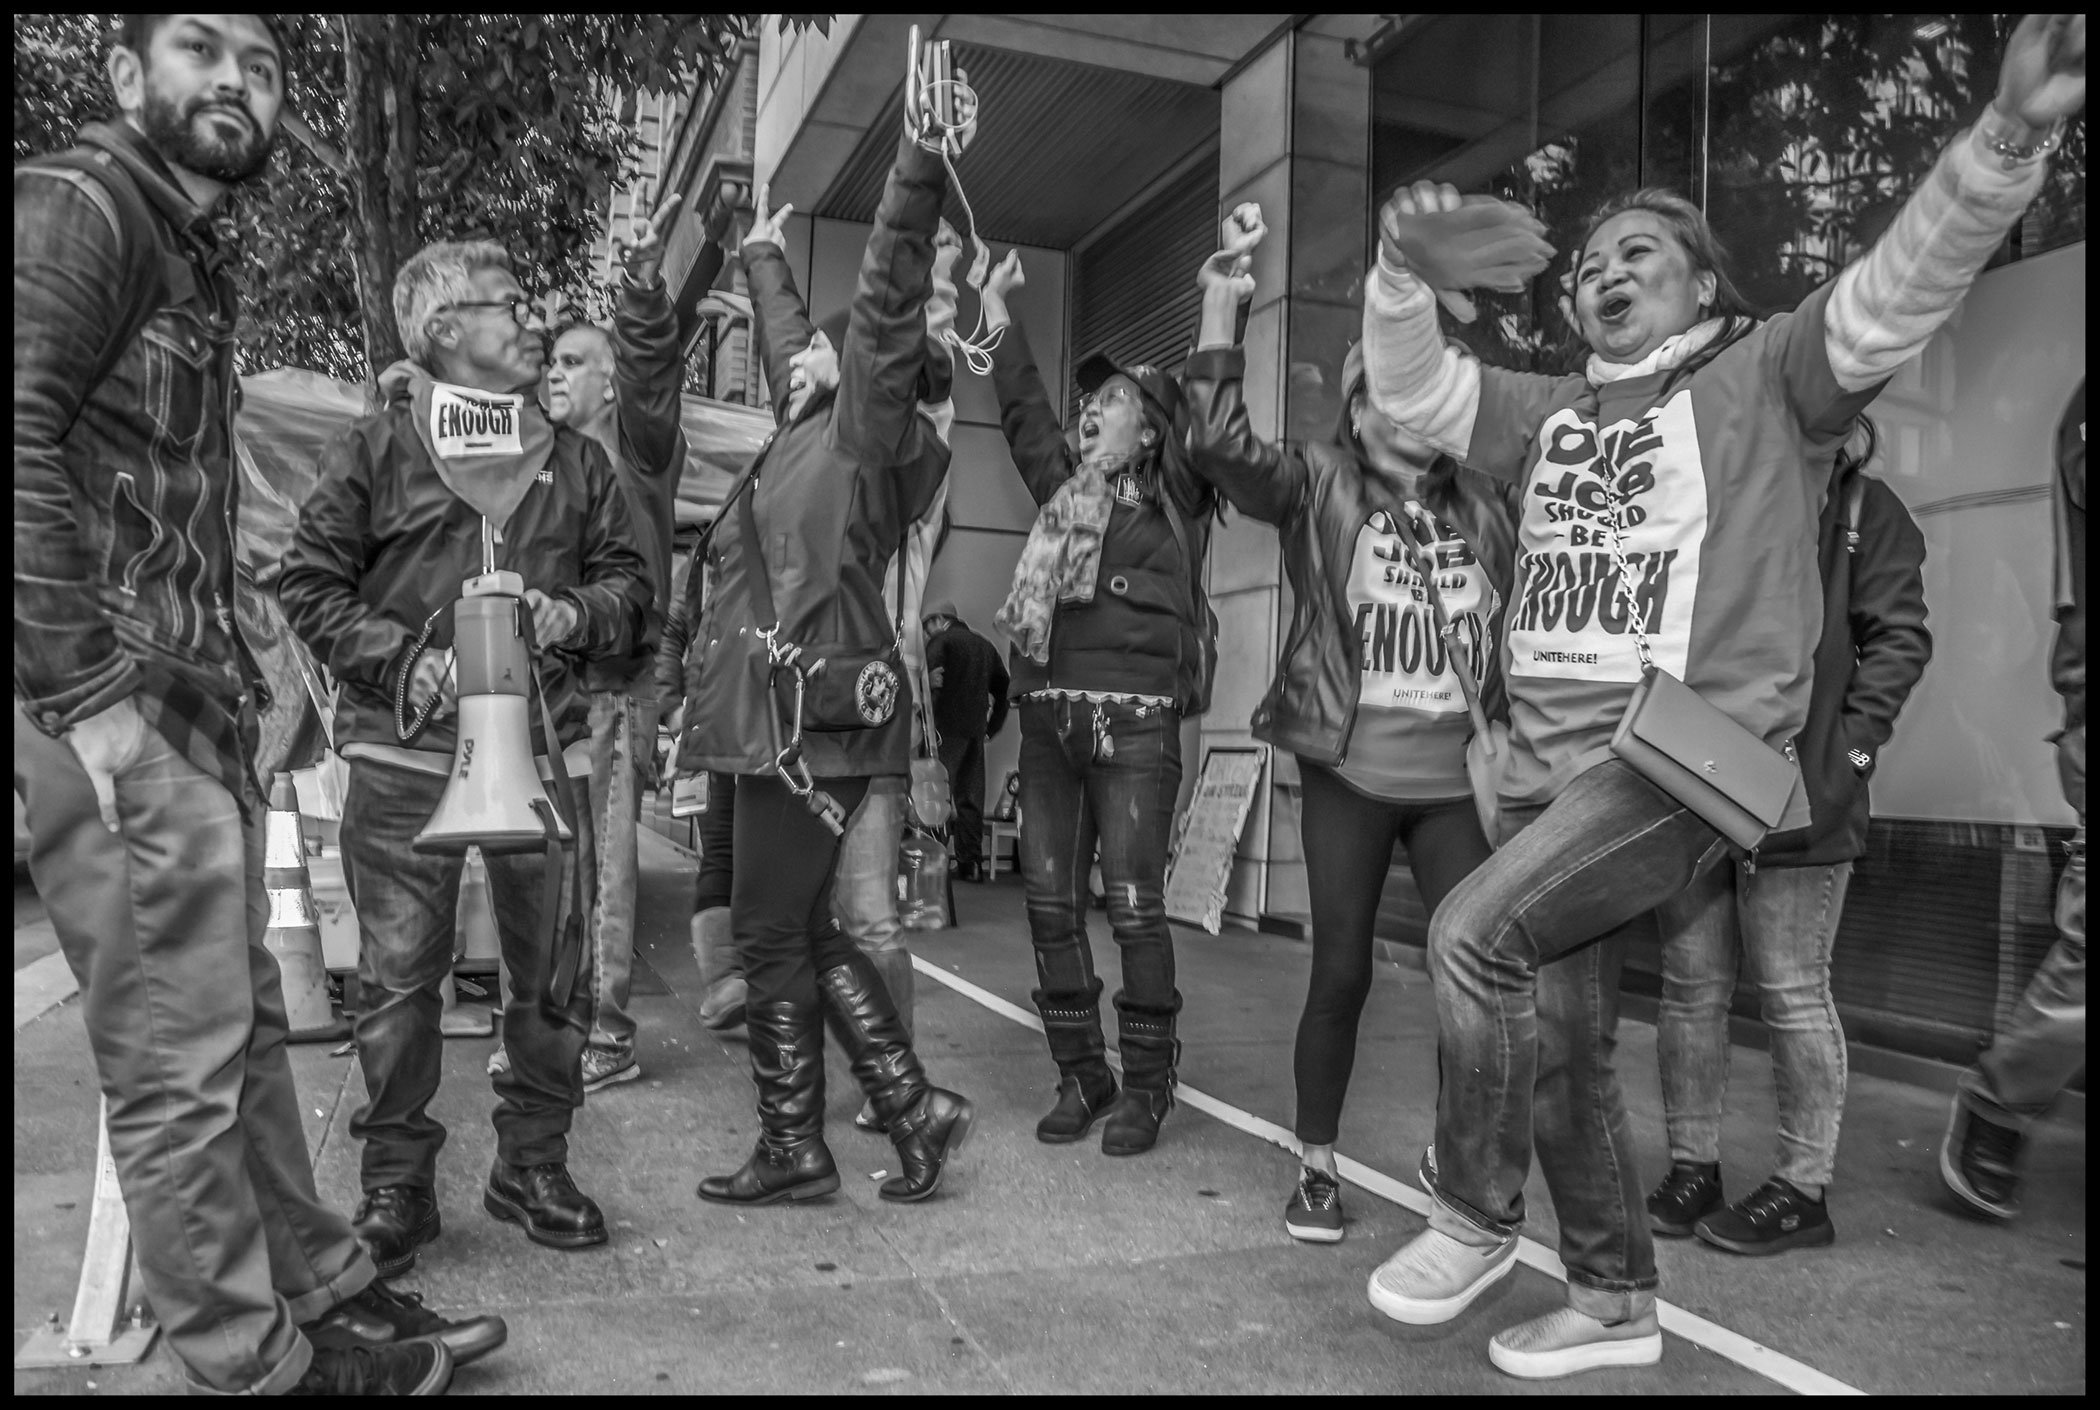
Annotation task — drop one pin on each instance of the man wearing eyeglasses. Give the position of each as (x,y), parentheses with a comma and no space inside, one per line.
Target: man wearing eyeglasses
(391,530)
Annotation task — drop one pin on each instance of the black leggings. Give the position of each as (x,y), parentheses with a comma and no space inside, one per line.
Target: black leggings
(717,843)
(780,904)
(1348,851)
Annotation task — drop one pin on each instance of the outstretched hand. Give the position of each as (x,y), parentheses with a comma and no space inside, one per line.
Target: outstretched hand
(642,252)
(768,226)
(2041,80)
(922,109)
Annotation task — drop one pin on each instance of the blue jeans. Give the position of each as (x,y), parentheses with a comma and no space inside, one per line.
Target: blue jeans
(1787,920)
(1525,955)
(2042,1041)
(163,923)
(616,811)
(1101,774)
(407,907)
(864,887)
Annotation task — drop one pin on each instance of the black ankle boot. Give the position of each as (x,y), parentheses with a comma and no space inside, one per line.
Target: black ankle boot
(790,1161)
(1150,1054)
(925,1123)
(546,1203)
(1085,1087)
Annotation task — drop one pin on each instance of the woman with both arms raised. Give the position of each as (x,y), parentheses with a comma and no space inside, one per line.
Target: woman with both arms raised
(1698,442)
(1367,694)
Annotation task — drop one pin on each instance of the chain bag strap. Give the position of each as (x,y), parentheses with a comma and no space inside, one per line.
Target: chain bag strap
(1487,752)
(1695,753)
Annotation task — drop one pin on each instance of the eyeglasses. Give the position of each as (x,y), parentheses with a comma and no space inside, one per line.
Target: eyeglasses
(1097,399)
(523,310)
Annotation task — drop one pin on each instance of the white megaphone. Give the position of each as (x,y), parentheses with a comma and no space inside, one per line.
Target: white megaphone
(493,799)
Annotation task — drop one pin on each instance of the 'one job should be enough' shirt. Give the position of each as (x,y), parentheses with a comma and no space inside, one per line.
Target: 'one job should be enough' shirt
(1409,739)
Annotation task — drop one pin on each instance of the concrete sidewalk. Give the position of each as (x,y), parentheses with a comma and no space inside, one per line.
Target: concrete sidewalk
(1055,1269)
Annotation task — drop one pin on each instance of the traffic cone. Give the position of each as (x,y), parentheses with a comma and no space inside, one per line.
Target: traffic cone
(294,936)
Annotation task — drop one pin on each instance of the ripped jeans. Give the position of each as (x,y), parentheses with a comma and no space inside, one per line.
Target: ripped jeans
(1103,773)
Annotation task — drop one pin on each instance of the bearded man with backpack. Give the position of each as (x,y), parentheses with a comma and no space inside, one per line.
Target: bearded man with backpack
(135,729)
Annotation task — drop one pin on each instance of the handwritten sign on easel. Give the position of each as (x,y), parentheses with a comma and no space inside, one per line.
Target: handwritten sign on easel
(1201,866)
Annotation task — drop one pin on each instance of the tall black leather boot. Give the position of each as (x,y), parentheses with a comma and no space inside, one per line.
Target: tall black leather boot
(1150,1055)
(791,1160)
(926,1124)
(1085,1086)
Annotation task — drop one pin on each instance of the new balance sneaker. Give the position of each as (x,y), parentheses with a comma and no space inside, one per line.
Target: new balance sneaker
(1773,1218)
(1565,1341)
(379,1315)
(391,1368)
(1314,1214)
(1435,1277)
(1687,1194)
(603,1067)
(1980,1163)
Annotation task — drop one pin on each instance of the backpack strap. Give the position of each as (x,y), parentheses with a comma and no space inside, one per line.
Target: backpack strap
(155,272)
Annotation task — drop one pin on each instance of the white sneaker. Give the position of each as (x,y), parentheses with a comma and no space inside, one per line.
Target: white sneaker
(499,1061)
(1435,1277)
(1565,1341)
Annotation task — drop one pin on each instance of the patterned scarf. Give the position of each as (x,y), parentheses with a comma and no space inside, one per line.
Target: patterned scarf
(1062,556)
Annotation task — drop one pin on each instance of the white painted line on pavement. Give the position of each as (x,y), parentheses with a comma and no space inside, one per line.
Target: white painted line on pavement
(42,985)
(1774,1366)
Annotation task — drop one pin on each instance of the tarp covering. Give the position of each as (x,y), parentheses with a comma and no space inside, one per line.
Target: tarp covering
(287,416)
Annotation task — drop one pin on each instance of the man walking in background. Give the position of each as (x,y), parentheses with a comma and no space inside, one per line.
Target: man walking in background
(969,705)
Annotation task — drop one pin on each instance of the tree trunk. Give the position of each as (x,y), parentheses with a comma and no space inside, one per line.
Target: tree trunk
(380,131)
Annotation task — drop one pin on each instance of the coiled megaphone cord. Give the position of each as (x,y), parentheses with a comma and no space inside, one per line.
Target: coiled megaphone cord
(976,349)
(404,728)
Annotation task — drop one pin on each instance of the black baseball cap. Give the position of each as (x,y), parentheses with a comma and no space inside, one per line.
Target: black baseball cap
(1162,391)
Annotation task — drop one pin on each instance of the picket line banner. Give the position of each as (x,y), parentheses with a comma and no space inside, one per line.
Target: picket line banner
(1774,1366)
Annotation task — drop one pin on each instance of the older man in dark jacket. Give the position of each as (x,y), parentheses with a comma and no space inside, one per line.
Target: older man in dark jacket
(1781,908)
(394,526)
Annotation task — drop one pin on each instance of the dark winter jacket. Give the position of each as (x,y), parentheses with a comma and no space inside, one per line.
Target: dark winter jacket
(970,701)
(837,488)
(383,543)
(1148,629)
(1873,650)
(649,458)
(125,488)
(1319,495)
(2067,657)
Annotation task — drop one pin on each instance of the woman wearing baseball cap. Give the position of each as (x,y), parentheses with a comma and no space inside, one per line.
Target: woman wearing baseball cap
(1114,644)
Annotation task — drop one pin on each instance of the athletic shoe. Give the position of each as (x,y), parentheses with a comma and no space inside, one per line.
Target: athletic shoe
(1565,1341)
(1687,1194)
(499,1062)
(1774,1218)
(603,1067)
(1435,1277)
(867,1120)
(379,1314)
(392,1368)
(1980,1163)
(1314,1214)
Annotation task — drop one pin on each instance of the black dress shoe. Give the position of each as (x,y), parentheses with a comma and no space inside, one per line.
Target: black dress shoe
(927,1137)
(546,1201)
(1080,1103)
(393,1222)
(1132,1127)
(777,1171)
(379,1315)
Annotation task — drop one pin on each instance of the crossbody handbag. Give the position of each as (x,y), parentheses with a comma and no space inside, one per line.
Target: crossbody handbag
(1487,752)
(1673,738)
(825,688)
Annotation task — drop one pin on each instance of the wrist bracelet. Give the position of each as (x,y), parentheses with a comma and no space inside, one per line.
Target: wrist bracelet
(1995,128)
